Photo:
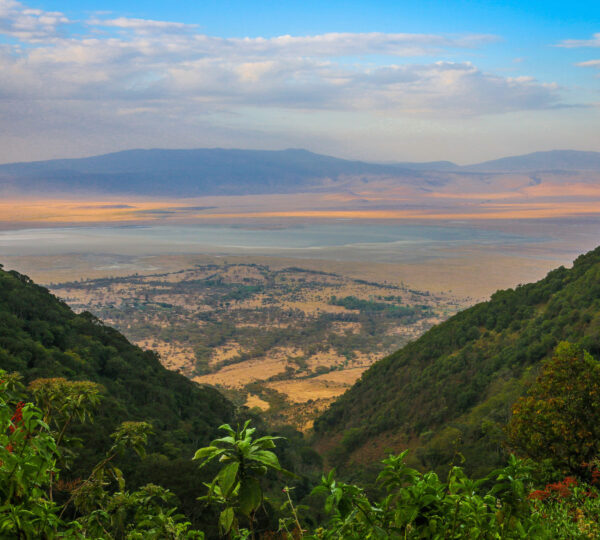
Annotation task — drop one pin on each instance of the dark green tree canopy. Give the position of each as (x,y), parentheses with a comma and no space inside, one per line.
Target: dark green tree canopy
(558,419)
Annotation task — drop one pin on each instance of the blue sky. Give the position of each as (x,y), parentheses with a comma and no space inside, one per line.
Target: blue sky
(464,81)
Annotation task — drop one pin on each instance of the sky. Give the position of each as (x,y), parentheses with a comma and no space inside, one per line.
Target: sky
(374,80)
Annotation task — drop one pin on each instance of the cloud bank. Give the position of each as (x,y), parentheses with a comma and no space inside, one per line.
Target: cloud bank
(125,74)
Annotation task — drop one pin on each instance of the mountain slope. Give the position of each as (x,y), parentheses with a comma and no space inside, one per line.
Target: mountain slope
(451,390)
(217,171)
(41,337)
(187,172)
(555,160)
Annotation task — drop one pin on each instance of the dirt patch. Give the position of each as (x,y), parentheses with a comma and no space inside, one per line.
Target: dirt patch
(301,391)
(239,375)
(172,356)
(344,377)
(255,401)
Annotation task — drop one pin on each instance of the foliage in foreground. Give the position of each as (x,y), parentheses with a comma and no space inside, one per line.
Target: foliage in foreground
(555,497)
(237,486)
(37,503)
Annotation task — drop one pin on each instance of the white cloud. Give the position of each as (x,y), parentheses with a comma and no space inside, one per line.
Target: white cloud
(589,63)
(574,43)
(141,26)
(332,44)
(154,61)
(26,24)
(128,70)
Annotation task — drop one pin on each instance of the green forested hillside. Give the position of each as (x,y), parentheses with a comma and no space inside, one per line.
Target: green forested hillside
(41,337)
(451,390)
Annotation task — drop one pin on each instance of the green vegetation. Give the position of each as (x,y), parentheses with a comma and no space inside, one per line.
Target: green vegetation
(38,504)
(125,476)
(237,485)
(410,314)
(452,390)
(558,420)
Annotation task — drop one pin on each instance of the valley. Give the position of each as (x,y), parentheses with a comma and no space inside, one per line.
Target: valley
(286,340)
(299,271)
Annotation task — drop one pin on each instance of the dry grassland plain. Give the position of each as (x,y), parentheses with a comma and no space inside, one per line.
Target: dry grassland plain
(287,340)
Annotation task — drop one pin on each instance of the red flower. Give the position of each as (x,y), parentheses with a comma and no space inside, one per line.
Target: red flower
(17,418)
(539,495)
(561,489)
(558,489)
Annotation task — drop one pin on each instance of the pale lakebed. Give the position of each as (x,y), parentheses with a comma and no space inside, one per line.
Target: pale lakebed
(471,259)
(338,241)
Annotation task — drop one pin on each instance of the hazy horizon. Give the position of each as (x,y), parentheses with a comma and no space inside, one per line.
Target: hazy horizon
(349,158)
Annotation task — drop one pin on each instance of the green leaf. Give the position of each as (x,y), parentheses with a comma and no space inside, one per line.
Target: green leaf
(319,490)
(227,428)
(227,477)
(205,452)
(265,442)
(250,496)
(226,520)
(266,458)
(210,455)
(227,440)
(118,474)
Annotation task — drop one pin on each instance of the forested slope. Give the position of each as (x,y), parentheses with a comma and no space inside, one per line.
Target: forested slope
(451,390)
(41,337)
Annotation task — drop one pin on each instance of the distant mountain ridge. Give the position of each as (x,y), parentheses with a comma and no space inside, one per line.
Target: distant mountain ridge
(553,160)
(563,160)
(220,171)
(188,172)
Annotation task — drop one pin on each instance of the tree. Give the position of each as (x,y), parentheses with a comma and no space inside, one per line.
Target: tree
(558,419)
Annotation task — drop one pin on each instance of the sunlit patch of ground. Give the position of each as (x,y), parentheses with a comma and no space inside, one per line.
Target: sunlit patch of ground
(343,376)
(330,359)
(172,356)
(222,353)
(239,375)
(255,401)
(301,391)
